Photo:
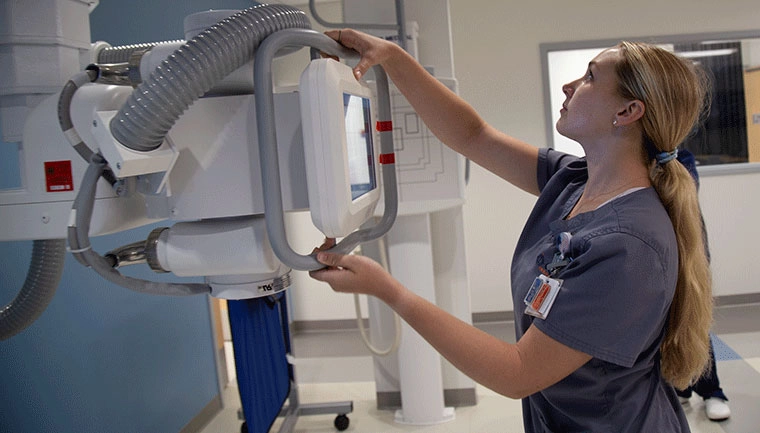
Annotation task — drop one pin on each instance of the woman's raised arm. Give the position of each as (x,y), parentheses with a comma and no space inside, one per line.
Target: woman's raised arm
(448,116)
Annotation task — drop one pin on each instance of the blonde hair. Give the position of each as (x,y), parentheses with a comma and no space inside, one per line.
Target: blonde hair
(675,94)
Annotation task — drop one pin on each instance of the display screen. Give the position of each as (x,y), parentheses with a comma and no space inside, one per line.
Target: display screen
(361,169)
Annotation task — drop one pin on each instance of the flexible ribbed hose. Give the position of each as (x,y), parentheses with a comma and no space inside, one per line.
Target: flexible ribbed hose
(122,53)
(42,279)
(192,70)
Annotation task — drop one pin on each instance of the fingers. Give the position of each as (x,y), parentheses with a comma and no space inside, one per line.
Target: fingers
(361,68)
(319,274)
(327,244)
(336,265)
(330,259)
(346,37)
(324,55)
(333,272)
(352,274)
(352,39)
(335,34)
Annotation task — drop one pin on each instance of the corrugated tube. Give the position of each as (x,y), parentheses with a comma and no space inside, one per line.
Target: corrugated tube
(192,70)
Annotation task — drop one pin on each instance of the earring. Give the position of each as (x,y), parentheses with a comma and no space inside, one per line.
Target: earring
(614,122)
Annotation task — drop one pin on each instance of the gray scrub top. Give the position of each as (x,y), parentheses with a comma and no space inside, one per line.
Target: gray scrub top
(613,305)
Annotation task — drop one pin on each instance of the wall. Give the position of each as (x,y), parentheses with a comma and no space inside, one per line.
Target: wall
(498,69)
(102,358)
(497,64)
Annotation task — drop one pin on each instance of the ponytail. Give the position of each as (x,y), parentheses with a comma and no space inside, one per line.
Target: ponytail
(686,346)
(674,93)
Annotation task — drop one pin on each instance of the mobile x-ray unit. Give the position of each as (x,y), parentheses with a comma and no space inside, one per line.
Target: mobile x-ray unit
(131,140)
(192,132)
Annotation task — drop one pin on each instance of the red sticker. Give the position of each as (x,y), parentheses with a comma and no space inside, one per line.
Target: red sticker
(384,126)
(58,176)
(542,292)
(387,158)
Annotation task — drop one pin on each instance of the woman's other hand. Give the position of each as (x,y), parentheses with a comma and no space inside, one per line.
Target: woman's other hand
(354,274)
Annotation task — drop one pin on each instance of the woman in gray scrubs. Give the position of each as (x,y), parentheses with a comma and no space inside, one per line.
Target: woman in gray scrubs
(610,281)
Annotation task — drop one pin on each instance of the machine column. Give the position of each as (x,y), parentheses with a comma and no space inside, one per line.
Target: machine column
(411,262)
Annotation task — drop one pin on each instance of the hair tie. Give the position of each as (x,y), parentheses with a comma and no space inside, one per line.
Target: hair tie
(665,157)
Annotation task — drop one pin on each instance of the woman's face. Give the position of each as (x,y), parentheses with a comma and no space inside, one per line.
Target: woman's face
(592,101)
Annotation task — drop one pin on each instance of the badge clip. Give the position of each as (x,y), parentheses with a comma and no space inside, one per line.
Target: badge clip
(561,259)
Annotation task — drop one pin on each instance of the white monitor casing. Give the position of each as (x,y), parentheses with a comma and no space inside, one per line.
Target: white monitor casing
(334,150)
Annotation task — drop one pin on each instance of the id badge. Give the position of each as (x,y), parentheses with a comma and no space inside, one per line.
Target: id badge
(541,295)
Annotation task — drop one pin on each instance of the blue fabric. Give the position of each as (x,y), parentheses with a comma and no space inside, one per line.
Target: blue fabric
(708,384)
(613,305)
(687,159)
(260,341)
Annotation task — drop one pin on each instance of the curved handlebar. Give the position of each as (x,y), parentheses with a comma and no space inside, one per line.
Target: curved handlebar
(400,19)
(268,157)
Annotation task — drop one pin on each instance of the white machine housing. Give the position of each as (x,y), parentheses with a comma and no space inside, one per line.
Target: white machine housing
(206,176)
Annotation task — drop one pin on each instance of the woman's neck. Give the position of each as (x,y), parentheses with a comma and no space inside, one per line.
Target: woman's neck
(608,178)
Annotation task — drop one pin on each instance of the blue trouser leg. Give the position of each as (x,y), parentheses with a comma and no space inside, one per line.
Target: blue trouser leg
(708,385)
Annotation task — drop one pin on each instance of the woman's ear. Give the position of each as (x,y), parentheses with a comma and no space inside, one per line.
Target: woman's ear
(630,113)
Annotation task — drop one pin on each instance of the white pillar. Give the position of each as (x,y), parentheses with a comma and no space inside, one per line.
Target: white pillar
(411,262)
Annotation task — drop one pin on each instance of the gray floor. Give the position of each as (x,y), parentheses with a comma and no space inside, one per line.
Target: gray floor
(335,366)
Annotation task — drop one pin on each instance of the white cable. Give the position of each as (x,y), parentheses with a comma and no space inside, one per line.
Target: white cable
(396,319)
(375,351)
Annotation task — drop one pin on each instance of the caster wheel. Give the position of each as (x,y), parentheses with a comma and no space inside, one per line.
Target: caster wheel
(341,422)
(244,428)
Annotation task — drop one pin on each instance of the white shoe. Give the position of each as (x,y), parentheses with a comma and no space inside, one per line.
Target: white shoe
(717,409)
(683,400)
